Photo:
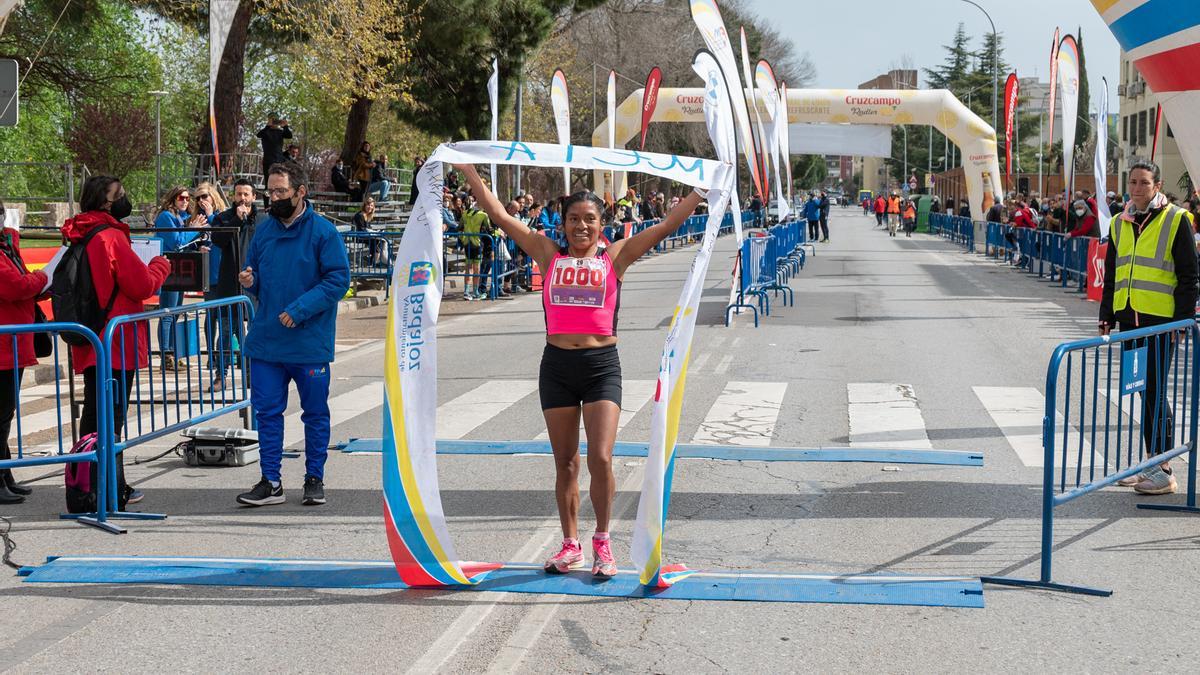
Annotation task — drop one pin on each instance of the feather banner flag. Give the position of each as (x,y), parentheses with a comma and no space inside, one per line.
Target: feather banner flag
(560,101)
(707,17)
(493,88)
(759,140)
(649,101)
(1053,82)
(1162,39)
(1068,79)
(1011,92)
(649,531)
(611,111)
(417,535)
(1100,165)
(764,84)
(785,140)
(220,20)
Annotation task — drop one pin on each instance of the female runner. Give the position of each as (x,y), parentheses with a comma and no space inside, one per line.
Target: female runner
(580,371)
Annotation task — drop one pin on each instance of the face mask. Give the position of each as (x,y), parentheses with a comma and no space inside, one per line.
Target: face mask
(282,208)
(121,208)
(1080,212)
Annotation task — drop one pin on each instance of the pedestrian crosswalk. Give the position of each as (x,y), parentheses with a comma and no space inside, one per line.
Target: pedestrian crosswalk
(743,413)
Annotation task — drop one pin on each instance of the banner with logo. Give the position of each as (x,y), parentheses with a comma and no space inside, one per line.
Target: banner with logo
(1100,165)
(1097,250)
(1068,79)
(648,547)
(1011,92)
(760,149)
(220,20)
(417,535)
(493,87)
(707,17)
(560,101)
(611,109)
(649,101)
(785,139)
(1053,81)
(764,84)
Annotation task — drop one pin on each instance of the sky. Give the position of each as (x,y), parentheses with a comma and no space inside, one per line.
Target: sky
(852,41)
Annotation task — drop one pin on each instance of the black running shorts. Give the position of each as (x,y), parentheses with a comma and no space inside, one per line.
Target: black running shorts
(570,377)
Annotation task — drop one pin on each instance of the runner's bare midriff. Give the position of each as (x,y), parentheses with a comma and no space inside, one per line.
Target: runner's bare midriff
(580,340)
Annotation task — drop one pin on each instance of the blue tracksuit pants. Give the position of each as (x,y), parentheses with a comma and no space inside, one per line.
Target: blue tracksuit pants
(269,395)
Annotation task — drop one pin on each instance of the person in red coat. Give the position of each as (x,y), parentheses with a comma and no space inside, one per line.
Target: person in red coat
(18,292)
(1086,223)
(114,265)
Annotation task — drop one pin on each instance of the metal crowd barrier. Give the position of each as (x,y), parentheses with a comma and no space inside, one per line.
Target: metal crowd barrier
(371,255)
(957,229)
(765,263)
(47,436)
(1116,406)
(492,273)
(1050,255)
(162,402)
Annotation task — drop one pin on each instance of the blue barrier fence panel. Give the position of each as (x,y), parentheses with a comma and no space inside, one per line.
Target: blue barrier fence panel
(1117,406)
(47,436)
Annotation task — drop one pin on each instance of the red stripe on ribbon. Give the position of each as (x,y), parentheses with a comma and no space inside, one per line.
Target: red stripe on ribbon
(1172,70)
(410,571)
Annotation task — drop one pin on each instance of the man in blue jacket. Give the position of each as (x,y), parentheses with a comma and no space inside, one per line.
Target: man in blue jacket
(297,269)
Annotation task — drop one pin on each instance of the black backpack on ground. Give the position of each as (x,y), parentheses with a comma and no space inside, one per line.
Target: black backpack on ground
(73,294)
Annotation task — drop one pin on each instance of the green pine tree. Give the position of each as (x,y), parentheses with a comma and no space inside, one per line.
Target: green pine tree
(1083,125)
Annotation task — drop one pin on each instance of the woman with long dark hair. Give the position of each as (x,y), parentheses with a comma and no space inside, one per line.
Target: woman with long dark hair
(580,372)
(122,282)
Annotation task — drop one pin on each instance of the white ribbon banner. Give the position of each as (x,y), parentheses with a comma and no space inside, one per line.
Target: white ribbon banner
(418,538)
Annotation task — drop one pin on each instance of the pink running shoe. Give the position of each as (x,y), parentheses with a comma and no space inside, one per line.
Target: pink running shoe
(604,567)
(567,559)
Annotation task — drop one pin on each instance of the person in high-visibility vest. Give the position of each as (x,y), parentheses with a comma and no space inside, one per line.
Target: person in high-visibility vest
(1150,279)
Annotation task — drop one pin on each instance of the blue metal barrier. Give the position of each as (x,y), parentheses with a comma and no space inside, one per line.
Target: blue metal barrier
(38,424)
(1093,433)
(467,240)
(371,255)
(957,229)
(161,402)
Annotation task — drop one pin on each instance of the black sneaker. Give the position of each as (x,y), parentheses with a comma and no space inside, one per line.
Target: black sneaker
(314,491)
(262,494)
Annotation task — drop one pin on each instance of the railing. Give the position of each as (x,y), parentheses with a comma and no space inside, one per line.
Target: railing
(765,263)
(371,255)
(55,427)
(1093,432)
(957,229)
(162,402)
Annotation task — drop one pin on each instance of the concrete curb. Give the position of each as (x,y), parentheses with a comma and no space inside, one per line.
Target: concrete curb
(362,300)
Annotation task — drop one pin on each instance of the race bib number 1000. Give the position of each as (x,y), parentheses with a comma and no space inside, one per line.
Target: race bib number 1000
(578,282)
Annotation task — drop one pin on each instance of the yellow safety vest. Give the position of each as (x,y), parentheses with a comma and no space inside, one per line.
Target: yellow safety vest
(1145,275)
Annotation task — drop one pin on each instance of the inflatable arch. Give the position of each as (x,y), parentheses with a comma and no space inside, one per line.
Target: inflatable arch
(936,107)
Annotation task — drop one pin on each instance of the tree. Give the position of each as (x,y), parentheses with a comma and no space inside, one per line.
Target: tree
(109,137)
(809,171)
(954,69)
(1083,123)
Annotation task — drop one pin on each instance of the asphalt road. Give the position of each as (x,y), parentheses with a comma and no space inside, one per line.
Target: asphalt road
(935,327)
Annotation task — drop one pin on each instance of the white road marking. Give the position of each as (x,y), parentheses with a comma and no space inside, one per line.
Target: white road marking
(885,415)
(1018,411)
(744,414)
(699,362)
(723,366)
(464,414)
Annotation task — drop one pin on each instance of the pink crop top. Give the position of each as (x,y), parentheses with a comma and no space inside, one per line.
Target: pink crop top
(581,295)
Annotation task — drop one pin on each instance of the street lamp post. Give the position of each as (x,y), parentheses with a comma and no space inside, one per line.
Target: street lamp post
(157,142)
(995,65)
